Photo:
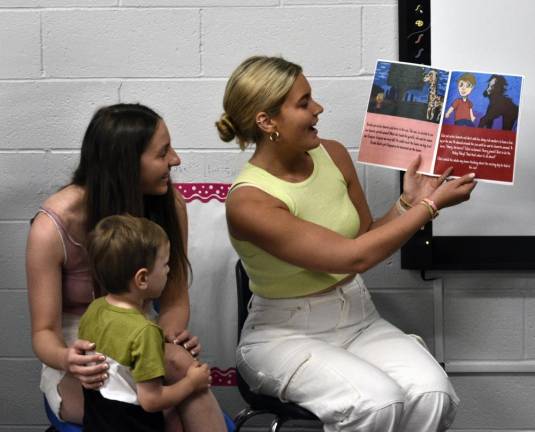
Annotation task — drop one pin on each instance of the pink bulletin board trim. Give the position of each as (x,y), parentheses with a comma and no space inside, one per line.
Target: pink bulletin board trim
(203,192)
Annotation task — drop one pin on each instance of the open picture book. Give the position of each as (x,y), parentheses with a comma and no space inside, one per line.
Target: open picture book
(463,119)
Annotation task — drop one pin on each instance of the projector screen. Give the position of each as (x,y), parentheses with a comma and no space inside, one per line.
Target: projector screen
(495,230)
(494,36)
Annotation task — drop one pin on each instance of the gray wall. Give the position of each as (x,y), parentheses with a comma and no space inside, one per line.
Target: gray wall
(61,59)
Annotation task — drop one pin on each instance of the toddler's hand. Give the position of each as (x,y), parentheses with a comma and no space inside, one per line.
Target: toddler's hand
(199,374)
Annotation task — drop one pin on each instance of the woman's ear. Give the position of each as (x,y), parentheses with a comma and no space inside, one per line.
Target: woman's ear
(265,123)
(141,278)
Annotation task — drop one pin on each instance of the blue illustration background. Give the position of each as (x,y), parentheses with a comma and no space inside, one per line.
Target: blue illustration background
(418,95)
(407,94)
(514,84)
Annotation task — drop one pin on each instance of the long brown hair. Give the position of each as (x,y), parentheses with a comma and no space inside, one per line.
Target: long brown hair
(110,172)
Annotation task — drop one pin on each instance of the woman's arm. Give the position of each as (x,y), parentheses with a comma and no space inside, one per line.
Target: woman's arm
(263,220)
(415,186)
(44,257)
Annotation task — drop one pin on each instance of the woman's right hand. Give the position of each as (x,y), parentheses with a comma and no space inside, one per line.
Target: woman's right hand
(89,369)
(453,192)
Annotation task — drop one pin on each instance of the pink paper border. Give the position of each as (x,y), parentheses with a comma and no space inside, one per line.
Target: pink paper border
(224,377)
(203,192)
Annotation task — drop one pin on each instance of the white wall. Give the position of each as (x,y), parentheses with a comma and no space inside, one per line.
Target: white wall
(61,59)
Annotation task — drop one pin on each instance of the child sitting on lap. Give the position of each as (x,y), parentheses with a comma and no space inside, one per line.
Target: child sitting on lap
(129,260)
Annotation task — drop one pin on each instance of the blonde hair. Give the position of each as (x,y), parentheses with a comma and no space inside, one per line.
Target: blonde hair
(259,84)
(119,246)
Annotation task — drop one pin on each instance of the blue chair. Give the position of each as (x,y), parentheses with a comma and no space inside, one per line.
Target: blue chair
(57,425)
(231,427)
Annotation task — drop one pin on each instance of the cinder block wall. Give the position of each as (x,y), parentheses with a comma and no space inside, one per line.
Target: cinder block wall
(61,59)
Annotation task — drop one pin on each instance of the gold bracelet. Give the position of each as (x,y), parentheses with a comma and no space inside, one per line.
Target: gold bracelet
(399,208)
(432,212)
(432,204)
(404,203)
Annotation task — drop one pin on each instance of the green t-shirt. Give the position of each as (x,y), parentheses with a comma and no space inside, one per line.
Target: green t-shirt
(125,336)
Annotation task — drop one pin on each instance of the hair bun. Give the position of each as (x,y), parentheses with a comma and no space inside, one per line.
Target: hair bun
(225,127)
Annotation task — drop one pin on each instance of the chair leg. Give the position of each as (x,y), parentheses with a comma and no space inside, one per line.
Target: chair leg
(277,423)
(244,415)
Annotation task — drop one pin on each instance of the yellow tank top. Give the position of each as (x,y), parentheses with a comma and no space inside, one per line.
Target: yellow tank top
(322,199)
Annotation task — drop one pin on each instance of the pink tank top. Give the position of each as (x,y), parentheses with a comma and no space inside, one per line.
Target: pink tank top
(77,287)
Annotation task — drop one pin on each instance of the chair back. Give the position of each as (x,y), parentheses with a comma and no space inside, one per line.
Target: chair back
(244,295)
(258,402)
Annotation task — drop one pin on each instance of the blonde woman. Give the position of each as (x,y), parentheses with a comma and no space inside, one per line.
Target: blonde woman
(299,220)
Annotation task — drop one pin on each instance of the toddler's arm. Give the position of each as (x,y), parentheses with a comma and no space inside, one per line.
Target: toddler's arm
(154,396)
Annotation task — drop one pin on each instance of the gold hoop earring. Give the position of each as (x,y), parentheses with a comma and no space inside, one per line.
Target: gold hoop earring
(274,136)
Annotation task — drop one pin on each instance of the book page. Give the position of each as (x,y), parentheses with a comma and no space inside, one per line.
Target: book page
(459,119)
(479,127)
(404,111)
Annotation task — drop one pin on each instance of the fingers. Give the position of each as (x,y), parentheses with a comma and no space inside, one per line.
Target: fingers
(411,170)
(90,377)
(83,345)
(444,175)
(467,178)
(93,381)
(190,344)
(195,351)
(193,346)
(182,337)
(74,359)
(89,374)
(469,187)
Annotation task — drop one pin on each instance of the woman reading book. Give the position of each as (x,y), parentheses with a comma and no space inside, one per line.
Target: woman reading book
(299,220)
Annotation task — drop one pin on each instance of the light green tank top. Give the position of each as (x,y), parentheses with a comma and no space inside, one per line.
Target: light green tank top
(322,199)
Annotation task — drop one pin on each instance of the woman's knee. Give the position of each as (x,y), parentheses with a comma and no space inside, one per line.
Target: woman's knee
(361,409)
(177,362)
(377,419)
(435,408)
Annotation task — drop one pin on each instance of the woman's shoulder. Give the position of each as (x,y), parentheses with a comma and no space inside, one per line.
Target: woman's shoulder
(65,200)
(340,156)
(334,148)
(67,205)
(337,151)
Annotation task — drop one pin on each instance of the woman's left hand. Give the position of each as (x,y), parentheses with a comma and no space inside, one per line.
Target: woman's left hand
(416,186)
(187,341)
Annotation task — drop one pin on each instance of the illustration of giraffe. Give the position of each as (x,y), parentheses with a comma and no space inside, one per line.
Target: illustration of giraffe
(434,101)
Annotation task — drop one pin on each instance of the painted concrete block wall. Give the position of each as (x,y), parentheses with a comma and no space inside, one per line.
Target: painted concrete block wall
(61,59)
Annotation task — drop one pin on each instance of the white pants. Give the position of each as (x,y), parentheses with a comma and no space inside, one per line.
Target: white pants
(335,356)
